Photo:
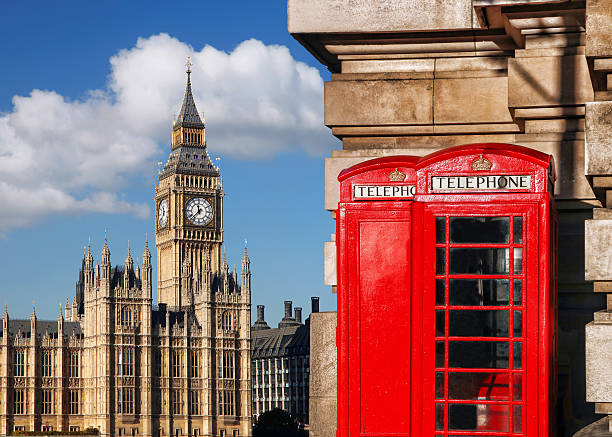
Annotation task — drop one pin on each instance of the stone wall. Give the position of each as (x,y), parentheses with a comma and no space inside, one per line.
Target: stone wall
(598,242)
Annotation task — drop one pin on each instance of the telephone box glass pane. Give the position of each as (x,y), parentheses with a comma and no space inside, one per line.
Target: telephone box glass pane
(440,253)
(440,229)
(478,417)
(439,323)
(478,354)
(478,386)
(517,387)
(518,260)
(440,292)
(479,229)
(478,323)
(439,385)
(518,230)
(439,417)
(518,323)
(478,261)
(517,355)
(478,292)
(517,419)
(518,292)
(440,354)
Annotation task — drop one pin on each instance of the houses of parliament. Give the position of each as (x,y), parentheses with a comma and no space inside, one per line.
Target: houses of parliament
(116,362)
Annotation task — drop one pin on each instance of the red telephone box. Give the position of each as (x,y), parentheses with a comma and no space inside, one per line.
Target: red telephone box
(374,313)
(447,298)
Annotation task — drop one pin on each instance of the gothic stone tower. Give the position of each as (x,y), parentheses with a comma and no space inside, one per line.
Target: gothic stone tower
(189,204)
(194,279)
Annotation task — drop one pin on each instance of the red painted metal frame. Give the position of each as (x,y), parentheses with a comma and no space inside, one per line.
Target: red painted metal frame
(403,320)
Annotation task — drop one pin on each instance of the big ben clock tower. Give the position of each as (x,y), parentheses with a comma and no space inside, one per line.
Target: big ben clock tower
(189,209)
(209,304)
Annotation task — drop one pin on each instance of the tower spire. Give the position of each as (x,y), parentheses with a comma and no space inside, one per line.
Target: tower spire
(188,64)
(189,116)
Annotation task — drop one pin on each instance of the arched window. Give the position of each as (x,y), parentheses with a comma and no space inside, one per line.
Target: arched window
(126,316)
(226,321)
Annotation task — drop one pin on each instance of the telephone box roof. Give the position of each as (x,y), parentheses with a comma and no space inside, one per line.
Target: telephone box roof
(511,150)
(373,164)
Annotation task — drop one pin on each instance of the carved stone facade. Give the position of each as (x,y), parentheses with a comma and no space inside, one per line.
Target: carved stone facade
(117,363)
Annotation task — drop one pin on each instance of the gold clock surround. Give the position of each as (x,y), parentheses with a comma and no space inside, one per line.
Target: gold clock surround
(211,201)
(159,202)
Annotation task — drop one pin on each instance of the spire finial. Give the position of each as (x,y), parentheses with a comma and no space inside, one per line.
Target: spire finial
(188,64)
(146,240)
(33,309)
(129,253)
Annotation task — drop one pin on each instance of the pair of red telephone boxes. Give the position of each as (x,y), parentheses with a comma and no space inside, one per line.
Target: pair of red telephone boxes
(447,294)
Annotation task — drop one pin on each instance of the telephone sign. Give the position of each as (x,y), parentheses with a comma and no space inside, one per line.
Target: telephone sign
(447,295)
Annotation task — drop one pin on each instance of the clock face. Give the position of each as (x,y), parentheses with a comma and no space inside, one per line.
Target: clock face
(162,213)
(198,211)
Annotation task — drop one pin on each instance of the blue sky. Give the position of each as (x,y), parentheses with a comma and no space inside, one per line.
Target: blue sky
(88,91)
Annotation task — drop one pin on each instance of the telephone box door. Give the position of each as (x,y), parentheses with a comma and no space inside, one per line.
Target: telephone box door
(487,276)
(481,279)
(379,320)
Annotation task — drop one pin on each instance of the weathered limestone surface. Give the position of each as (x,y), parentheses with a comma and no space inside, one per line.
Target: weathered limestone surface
(598,155)
(323,374)
(380,102)
(596,429)
(569,163)
(550,80)
(598,252)
(599,28)
(329,266)
(598,358)
(489,95)
(313,16)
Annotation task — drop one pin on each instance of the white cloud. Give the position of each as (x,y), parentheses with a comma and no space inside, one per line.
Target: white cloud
(59,156)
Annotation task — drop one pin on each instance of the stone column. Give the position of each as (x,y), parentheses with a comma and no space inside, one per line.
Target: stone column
(323,374)
(598,166)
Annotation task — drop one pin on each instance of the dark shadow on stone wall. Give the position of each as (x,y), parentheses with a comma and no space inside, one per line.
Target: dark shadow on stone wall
(577,303)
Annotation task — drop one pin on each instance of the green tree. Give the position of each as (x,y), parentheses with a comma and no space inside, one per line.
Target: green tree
(277,423)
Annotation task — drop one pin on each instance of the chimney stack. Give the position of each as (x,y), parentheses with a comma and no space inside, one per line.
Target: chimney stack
(260,313)
(315,304)
(260,323)
(288,311)
(298,314)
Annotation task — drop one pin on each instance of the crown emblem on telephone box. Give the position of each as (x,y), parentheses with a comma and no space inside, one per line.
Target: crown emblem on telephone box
(481,164)
(397,176)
